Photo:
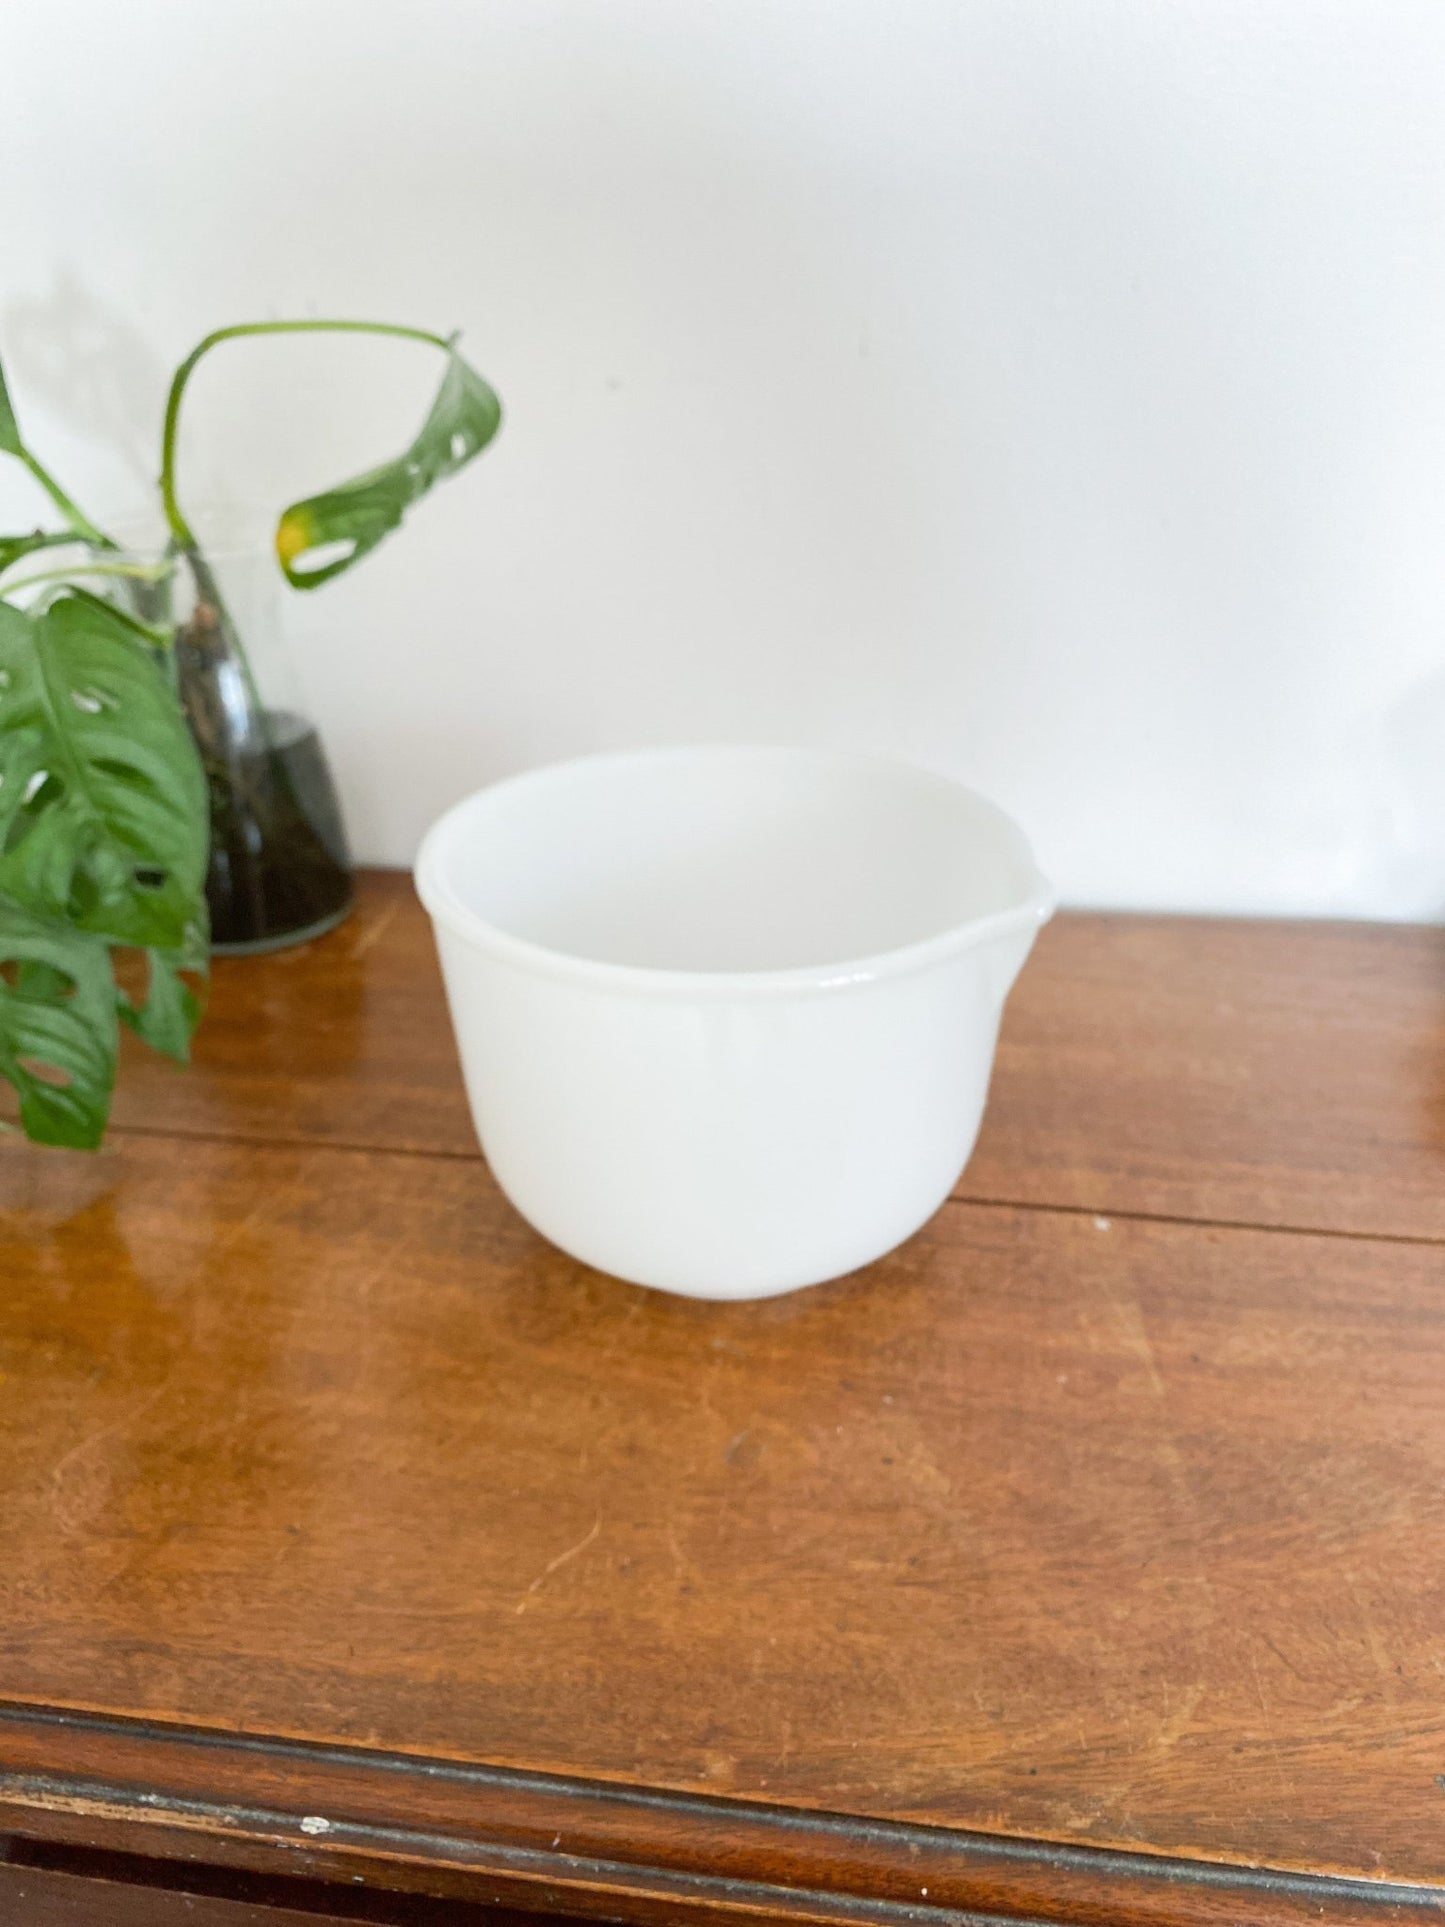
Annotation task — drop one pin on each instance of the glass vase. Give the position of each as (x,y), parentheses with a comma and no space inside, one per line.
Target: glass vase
(280,868)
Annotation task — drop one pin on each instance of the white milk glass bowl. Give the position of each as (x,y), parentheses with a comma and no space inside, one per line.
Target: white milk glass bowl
(727,1015)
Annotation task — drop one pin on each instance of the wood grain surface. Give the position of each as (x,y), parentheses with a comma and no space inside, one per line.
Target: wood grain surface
(1262,1073)
(1083,1561)
(1130,1534)
(370,1825)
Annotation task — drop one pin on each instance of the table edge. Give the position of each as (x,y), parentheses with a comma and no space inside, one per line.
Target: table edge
(589,1847)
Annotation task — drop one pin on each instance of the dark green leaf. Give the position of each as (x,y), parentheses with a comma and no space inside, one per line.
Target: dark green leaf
(337,528)
(103,814)
(10,440)
(57,1028)
(167,1019)
(12,547)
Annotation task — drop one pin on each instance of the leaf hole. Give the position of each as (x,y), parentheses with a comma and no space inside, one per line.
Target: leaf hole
(88,702)
(149,876)
(41,982)
(44,1073)
(324,556)
(126,773)
(36,783)
(460,445)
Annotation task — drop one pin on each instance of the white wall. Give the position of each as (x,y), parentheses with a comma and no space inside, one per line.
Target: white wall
(1051,392)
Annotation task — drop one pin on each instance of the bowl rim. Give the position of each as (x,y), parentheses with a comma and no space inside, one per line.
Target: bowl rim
(1034,907)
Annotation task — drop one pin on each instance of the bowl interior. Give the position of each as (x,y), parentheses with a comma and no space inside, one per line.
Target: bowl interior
(724,860)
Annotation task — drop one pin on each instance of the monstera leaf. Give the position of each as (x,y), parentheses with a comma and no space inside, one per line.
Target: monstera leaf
(172,1009)
(57,1028)
(338,527)
(103,814)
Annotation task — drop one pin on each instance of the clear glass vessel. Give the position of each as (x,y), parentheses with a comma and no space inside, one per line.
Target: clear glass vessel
(280,868)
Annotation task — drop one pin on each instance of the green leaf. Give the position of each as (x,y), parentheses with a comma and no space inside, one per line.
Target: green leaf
(103,813)
(12,547)
(10,441)
(337,528)
(168,1018)
(39,979)
(57,1028)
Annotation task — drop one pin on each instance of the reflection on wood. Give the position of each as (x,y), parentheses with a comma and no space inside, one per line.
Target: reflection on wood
(1063,1536)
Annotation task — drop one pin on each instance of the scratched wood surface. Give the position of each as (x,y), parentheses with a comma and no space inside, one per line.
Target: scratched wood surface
(1264,1073)
(1125,1533)
(1099,1531)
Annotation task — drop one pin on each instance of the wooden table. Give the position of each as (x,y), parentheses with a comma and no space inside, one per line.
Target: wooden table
(1082,1562)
